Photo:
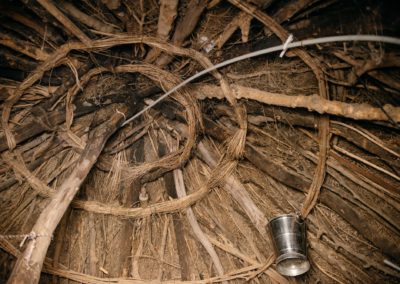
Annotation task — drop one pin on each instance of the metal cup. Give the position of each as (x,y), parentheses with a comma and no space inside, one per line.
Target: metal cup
(290,242)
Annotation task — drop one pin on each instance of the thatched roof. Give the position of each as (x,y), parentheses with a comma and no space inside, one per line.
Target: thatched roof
(183,192)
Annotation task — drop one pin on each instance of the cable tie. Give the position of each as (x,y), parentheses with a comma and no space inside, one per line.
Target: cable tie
(31,236)
(285,45)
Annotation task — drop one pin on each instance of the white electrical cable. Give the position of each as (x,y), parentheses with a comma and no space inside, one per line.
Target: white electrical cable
(369,38)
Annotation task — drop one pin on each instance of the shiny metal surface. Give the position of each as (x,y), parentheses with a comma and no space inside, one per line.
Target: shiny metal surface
(288,233)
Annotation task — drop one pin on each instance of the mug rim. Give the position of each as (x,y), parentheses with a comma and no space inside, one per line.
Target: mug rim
(285,215)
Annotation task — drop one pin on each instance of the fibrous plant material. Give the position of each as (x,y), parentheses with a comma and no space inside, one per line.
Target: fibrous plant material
(299,182)
(29,264)
(315,66)
(182,190)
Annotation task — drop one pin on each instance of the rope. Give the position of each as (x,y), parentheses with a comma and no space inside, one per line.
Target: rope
(287,45)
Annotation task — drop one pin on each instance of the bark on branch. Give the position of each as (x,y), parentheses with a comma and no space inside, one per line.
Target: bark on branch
(23,47)
(29,265)
(67,23)
(312,103)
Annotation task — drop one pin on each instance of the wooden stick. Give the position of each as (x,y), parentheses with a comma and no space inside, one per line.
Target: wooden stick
(29,265)
(177,221)
(46,31)
(198,232)
(312,103)
(287,12)
(241,21)
(66,273)
(183,29)
(372,165)
(33,128)
(11,60)
(237,191)
(86,19)
(24,47)
(162,248)
(166,18)
(68,24)
(130,196)
(201,237)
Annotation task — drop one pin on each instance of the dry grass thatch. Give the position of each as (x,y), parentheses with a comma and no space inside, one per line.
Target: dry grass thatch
(183,194)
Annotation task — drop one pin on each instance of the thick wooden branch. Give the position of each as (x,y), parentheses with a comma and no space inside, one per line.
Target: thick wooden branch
(45,122)
(112,4)
(242,21)
(11,60)
(360,67)
(68,24)
(184,28)
(29,264)
(86,19)
(288,11)
(312,103)
(166,18)
(24,47)
(45,31)
(56,117)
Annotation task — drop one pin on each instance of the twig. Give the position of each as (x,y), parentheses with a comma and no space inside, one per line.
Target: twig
(368,136)
(355,157)
(181,192)
(241,21)
(162,248)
